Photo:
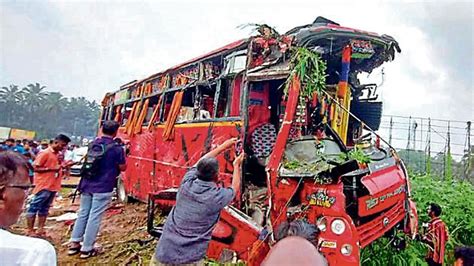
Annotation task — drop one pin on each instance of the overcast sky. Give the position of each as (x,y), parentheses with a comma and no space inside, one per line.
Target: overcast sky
(85,48)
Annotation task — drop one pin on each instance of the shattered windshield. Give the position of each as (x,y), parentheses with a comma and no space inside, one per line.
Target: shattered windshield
(309,157)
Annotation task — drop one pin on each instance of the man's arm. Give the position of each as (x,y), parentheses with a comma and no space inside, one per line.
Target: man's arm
(39,163)
(122,165)
(224,146)
(226,195)
(236,176)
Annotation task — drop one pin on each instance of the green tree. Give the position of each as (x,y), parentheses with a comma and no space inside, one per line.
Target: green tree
(10,97)
(47,113)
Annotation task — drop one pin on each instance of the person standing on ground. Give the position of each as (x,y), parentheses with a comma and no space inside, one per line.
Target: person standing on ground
(436,236)
(43,145)
(10,145)
(30,161)
(47,179)
(188,228)
(96,190)
(34,148)
(19,146)
(14,185)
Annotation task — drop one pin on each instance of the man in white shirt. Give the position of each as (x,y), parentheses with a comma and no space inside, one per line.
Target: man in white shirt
(14,185)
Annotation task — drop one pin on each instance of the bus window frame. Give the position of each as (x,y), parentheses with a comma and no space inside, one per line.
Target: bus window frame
(160,120)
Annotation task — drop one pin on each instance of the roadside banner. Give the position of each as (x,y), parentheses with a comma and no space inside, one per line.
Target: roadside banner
(22,134)
(4,133)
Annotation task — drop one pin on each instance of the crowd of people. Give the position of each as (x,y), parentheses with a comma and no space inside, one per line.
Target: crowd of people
(25,146)
(26,167)
(48,165)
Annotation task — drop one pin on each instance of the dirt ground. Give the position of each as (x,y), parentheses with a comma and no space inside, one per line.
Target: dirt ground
(122,237)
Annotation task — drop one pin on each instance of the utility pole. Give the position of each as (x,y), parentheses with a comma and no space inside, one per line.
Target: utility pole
(415,126)
(468,163)
(447,157)
(390,131)
(421,142)
(428,148)
(408,141)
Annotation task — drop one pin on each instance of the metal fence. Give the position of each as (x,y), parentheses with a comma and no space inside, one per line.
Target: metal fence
(435,146)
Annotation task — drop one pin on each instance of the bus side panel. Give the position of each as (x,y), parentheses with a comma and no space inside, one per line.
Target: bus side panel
(146,143)
(190,142)
(154,165)
(137,177)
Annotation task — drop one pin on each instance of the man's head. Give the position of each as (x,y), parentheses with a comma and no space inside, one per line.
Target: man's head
(434,210)
(299,228)
(44,144)
(14,184)
(32,144)
(208,169)
(19,142)
(110,128)
(464,256)
(60,142)
(294,250)
(10,142)
(26,145)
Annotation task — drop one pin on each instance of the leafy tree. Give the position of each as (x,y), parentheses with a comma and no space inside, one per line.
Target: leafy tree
(10,99)
(47,113)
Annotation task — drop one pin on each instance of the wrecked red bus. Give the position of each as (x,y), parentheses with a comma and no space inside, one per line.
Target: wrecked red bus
(308,152)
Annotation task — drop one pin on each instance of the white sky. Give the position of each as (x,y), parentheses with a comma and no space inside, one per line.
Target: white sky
(85,48)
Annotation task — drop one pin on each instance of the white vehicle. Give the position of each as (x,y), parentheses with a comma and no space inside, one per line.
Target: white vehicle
(77,156)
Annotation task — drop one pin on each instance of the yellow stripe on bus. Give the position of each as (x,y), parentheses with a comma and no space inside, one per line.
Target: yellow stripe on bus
(204,124)
(201,124)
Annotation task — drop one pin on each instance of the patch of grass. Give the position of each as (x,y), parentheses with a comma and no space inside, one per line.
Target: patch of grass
(457,202)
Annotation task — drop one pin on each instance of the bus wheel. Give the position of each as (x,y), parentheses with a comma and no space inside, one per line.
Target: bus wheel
(121,193)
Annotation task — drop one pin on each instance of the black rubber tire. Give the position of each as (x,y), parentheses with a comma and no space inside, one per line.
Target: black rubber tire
(369,112)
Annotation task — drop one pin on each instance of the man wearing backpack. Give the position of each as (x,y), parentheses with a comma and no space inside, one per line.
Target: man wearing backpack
(104,161)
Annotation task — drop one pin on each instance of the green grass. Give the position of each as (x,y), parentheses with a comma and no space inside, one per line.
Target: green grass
(457,201)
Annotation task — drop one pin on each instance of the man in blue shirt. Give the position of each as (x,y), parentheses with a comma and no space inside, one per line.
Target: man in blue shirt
(96,192)
(19,147)
(11,146)
(188,228)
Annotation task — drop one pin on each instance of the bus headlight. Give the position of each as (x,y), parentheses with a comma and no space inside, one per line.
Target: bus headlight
(322,223)
(338,227)
(346,249)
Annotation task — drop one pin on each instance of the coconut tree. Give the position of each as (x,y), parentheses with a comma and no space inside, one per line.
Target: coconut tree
(10,98)
(34,95)
(52,108)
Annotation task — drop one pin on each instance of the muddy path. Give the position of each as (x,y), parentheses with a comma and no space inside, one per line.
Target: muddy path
(123,237)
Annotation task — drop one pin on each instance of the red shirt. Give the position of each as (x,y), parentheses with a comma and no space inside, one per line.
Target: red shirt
(50,180)
(438,236)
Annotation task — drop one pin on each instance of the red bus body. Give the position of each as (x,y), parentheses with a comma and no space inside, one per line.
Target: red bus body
(352,207)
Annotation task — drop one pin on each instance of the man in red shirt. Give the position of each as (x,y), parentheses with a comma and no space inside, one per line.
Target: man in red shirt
(48,168)
(436,236)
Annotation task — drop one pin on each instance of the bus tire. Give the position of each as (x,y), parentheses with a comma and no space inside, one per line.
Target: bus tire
(121,192)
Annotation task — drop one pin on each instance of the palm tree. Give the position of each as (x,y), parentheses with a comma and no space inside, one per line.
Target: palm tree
(48,113)
(34,95)
(53,107)
(10,98)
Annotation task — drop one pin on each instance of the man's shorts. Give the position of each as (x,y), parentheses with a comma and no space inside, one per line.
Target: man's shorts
(40,203)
